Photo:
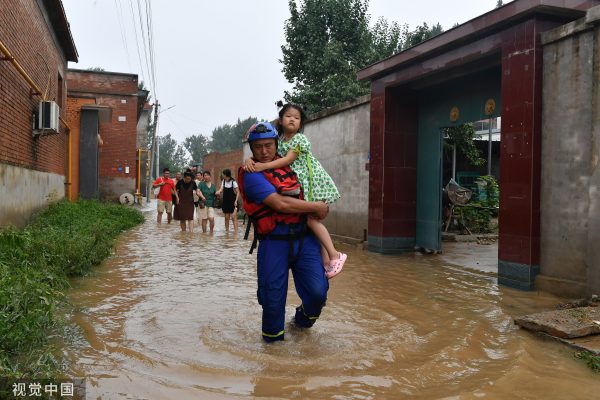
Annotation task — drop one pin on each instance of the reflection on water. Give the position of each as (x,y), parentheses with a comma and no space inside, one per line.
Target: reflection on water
(174,316)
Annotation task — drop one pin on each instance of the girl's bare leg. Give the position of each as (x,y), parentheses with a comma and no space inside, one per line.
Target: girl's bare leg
(323,235)
(227,216)
(235,220)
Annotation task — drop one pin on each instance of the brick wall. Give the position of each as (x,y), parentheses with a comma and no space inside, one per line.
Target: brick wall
(118,152)
(217,162)
(24,31)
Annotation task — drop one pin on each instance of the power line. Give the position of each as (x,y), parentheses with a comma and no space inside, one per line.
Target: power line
(144,42)
(150,28)
(122,29)
(137,43)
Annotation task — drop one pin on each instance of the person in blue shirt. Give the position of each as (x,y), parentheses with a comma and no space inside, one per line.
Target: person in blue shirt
(279,218)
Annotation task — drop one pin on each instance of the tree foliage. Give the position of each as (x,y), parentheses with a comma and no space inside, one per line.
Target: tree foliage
(198,146)
(420,34)
(328,41)
(171,154)
(462,136)
(229,137)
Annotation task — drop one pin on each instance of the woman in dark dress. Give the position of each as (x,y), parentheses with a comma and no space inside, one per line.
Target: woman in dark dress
(230,193)
(185,207)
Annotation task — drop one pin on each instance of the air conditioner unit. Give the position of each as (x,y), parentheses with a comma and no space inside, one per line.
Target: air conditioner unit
(48,115)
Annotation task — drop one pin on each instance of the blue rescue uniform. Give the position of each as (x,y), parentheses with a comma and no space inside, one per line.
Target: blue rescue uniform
(286,247)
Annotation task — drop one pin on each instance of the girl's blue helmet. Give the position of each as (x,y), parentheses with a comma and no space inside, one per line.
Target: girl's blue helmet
(262,130)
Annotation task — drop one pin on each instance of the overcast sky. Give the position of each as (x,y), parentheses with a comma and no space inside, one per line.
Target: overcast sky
(216,61)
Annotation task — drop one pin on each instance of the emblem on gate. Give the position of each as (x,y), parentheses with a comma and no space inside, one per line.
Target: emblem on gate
(490,106)
(454,114)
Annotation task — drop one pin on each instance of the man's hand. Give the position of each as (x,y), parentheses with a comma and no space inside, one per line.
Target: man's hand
(322,210)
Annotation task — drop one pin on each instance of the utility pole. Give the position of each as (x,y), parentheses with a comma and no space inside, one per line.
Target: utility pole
(153,150)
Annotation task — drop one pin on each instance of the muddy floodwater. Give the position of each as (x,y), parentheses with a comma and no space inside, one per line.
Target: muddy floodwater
(174,316)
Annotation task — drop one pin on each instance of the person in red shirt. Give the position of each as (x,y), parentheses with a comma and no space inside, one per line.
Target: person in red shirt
(167,189)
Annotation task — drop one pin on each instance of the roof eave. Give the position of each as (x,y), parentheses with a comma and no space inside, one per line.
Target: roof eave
(470,30)
(62,28)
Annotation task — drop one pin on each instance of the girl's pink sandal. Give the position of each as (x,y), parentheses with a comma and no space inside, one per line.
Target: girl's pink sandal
(335,266)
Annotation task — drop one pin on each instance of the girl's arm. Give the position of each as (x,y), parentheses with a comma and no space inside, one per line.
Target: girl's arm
(237,196)
(289,158)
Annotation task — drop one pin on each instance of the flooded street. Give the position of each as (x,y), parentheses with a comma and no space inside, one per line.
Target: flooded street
(174,316)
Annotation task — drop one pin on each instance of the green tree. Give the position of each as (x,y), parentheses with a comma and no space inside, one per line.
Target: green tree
(420,34)
(172,155)
(229,137)
(198,146)
(328,41)
(462,136)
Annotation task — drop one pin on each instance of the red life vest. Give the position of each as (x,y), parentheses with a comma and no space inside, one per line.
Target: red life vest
(263,217)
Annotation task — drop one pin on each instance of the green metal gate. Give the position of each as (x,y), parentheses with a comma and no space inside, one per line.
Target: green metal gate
(466,99)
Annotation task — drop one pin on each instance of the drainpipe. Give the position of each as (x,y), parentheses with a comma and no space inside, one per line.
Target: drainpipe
(138,195)
(35,90)
(9,57)
(69,159)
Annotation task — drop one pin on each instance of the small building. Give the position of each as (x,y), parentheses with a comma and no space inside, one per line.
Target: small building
(104,110)
(35,44)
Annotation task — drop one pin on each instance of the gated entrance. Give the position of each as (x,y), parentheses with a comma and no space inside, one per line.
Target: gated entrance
(447,80)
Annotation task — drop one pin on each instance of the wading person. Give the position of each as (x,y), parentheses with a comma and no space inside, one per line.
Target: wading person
(184,212)
(273,201)
(295,151)
(207,191)
(230,194)
(178,177)
(198,202)
(167,189)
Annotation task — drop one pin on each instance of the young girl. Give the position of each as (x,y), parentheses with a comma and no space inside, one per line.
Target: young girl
(317,185)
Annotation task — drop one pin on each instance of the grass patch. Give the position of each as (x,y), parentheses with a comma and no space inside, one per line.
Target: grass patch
(591,360)
(65,240)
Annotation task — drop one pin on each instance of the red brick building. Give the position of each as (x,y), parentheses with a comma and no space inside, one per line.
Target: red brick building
(217,162)
(35,38)
(104,109)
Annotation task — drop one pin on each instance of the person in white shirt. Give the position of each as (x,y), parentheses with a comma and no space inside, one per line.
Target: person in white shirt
(230,196)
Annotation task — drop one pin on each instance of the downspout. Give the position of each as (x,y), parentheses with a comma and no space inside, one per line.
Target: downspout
(9,57)
(35,90)
(69,159)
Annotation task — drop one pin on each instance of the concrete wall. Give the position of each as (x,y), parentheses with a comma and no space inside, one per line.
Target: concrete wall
(24,192)
(340,141)
(570,182)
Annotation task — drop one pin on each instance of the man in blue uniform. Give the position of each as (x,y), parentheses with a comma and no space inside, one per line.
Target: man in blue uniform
(285,243)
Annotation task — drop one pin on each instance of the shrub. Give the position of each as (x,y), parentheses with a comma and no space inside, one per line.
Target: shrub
(65,240)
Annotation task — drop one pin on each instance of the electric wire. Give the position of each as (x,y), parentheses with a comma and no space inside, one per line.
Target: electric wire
(144,40)
(121,20)
(150,28)
(137,43)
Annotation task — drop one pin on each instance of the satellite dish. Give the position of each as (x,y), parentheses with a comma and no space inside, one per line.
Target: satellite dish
(127,199)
